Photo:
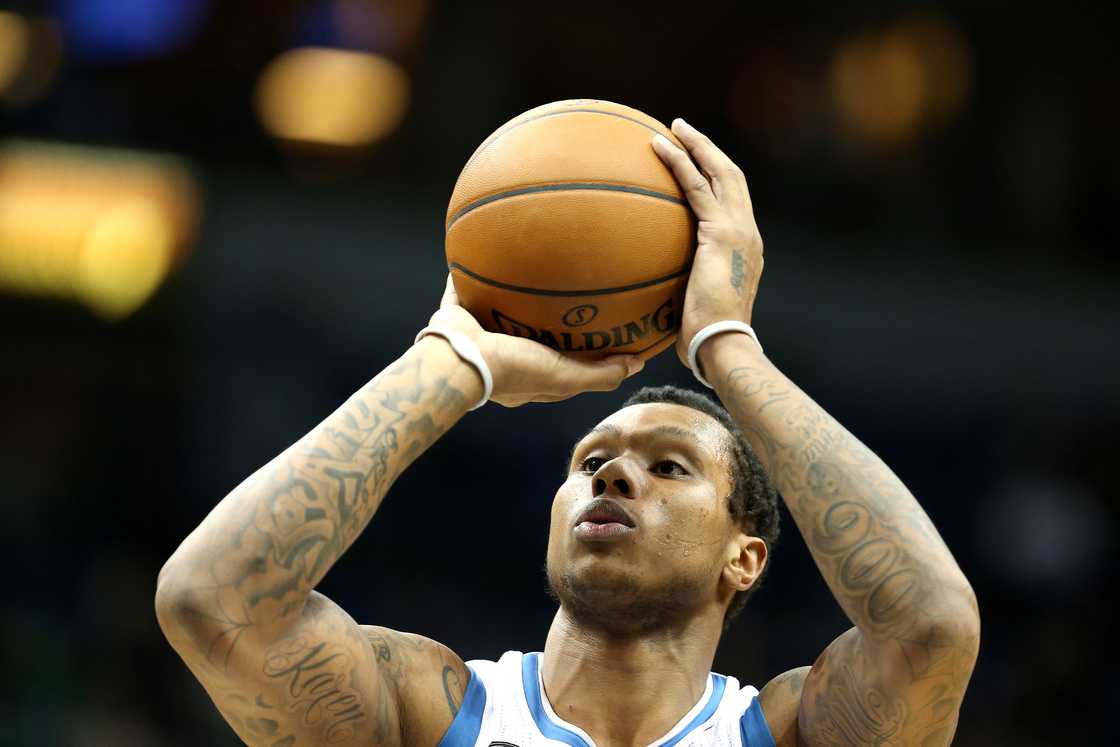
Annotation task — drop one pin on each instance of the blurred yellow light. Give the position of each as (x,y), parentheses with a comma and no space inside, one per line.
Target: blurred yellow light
(887,87)
(101,226)
(15,41)
(878,88)
(125,257)
(30,57)
(946,62)
(332,96)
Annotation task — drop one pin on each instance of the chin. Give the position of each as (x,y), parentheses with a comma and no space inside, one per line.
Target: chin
(610,597)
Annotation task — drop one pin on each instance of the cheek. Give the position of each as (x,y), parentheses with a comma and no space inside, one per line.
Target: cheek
(561,509)
(690,533)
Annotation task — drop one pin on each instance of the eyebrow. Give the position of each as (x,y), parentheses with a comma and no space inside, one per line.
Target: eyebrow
(661,430)
(671,431)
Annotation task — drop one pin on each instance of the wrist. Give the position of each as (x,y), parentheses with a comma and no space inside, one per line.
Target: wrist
(724,351)
(459,373)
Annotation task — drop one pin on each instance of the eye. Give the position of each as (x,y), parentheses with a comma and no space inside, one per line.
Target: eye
(592,464)
(669,467)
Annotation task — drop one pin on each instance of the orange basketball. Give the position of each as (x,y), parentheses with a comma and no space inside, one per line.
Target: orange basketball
(565,227)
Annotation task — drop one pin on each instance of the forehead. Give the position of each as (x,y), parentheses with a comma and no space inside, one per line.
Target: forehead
(668,418)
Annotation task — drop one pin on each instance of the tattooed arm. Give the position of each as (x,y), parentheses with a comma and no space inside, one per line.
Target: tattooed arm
(898,677)
(284,664)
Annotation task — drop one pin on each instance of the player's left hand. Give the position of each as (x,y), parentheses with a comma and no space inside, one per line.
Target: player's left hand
(728,262)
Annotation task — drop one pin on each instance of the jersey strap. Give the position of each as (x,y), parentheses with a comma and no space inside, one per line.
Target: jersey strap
(719,684)
(464,729)
(530,667)
(753,727)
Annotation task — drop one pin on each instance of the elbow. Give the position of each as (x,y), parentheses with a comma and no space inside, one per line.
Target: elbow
(971,614)
(955,620)
(173,606)
(170,604)
(166,609)
(185,622)
(966,608)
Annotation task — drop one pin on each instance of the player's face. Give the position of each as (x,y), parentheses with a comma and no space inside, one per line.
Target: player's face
(641,525)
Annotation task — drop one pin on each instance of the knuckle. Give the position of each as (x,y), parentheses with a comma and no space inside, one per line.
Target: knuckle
(726,235)
(731,173)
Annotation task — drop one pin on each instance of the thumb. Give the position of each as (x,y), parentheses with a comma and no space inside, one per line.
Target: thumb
(450,295)
(599,376)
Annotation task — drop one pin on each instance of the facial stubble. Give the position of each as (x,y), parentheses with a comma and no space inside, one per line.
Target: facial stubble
(620,604)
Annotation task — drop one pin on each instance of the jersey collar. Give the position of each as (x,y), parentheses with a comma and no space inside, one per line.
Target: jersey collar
(553,727)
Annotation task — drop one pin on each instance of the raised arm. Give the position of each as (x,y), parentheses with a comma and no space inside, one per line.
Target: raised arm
(898,677)
(285,665)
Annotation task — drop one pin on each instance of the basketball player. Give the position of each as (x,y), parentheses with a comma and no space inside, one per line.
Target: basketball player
(660,529)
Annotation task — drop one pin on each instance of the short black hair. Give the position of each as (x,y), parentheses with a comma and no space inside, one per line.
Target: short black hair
(753,501)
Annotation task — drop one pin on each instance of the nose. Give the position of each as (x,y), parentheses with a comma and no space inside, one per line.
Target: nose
(617,477)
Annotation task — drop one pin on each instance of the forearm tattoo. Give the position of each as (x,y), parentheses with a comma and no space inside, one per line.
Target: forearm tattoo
(274,538)
(881,556)
(875,545)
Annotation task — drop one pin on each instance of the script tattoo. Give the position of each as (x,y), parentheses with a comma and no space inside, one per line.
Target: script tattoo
(851,714)
(882,558)
(316,678)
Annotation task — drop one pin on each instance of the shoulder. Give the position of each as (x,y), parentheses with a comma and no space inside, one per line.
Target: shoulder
(428,679)
(780,700)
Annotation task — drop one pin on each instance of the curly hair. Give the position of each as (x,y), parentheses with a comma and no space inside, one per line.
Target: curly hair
(753,501)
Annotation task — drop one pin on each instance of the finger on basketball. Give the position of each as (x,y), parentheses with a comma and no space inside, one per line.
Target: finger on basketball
(726,176)
(450,295)
(696,187)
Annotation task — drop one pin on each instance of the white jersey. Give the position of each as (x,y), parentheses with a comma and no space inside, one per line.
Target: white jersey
(505,706)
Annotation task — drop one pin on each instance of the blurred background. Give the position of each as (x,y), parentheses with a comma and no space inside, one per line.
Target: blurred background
(219,219)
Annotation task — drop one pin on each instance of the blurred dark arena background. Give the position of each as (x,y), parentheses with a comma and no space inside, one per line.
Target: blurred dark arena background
(219,219)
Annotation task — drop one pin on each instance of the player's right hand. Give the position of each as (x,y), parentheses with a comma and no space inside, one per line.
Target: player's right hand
(527,371)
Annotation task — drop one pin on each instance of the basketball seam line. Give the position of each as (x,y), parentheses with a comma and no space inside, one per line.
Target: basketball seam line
(563,187)
(567,293)
(494,137)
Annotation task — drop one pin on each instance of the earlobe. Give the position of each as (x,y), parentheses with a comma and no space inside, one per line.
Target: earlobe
(736,578)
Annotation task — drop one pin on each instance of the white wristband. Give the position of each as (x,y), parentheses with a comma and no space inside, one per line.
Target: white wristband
(466,349)
(710,331)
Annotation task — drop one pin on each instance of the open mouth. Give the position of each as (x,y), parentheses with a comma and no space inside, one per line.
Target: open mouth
(603,512)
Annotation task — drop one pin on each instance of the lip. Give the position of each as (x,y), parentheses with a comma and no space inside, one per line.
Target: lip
(604,511)
(592,532)
(603,520)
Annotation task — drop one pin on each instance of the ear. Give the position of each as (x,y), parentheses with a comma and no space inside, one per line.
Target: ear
(746,558)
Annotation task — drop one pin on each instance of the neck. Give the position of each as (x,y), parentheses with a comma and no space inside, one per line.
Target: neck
(627,690)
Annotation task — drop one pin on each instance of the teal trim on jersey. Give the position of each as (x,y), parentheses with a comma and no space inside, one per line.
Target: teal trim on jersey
(719,683)
(753,727)
(467,723)
(530,681)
